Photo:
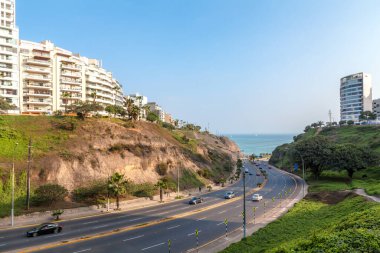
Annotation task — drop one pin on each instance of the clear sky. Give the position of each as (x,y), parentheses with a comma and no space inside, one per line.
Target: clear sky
(239,66)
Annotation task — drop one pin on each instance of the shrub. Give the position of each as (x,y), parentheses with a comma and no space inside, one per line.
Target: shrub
(168,126)
(64,123)
(57,213)
(49,193)
(162,169)
(92,194)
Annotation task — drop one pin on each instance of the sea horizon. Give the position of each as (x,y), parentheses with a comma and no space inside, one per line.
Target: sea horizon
(260,143)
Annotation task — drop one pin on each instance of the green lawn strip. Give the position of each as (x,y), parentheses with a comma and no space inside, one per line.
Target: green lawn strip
(312,225)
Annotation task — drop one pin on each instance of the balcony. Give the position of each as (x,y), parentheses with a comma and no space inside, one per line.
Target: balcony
(38,101)
(71,74)
(71,81)
(41,55)
(71,67)
(71,89)
(40,78)
(37,62)
(38,86)
(38,109)
(34,94)
(68,60)
(7,51)
(37,70)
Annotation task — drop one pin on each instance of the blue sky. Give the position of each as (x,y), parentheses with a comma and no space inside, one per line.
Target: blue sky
(240,66)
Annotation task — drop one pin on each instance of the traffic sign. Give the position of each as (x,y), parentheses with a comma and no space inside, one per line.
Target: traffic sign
(295,166)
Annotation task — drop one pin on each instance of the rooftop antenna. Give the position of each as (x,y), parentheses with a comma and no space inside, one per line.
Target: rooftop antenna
(330,116)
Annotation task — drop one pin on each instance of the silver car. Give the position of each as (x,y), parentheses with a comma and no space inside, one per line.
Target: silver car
(229,195)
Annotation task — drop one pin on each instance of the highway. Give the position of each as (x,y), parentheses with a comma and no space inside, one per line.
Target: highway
(150,229)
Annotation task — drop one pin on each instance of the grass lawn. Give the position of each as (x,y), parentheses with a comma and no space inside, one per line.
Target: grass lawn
(368,179)
(352,225)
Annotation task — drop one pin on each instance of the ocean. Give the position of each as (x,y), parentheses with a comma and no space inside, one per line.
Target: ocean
(261,143)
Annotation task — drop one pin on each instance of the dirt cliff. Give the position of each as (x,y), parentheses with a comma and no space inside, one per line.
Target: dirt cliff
(99,147)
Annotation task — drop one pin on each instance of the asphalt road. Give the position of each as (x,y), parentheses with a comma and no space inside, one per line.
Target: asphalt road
(209,221)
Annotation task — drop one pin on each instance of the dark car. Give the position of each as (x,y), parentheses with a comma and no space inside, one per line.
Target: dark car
(195,200)
(46,228)
(258,174)
(250,174)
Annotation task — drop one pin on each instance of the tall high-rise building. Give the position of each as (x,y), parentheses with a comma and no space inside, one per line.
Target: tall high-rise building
(9,82)
(355,95)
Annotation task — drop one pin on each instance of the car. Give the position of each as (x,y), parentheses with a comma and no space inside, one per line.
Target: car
(45,228)
(195,200)
(246,170)
(229,195)
(258,174)
(250,174)
(256,197)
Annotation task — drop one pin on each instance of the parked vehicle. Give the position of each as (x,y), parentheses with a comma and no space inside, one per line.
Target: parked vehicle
(256,197)
(246,170)
(45,228)
(195,200)
(229,195)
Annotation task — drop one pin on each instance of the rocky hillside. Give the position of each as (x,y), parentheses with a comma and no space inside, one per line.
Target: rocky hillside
(74,153)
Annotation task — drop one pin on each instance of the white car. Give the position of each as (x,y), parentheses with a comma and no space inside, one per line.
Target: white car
(257,197)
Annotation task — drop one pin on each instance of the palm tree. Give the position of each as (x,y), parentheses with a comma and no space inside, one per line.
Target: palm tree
(66,96)
(117,186)
(93,95)
(161,185)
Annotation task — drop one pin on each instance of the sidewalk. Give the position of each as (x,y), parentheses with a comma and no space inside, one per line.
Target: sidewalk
(222,242)
(82,212)
(361,192)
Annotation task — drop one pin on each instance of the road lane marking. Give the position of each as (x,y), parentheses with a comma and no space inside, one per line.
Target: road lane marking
(54,235)
(174,227)
(220,223)
(153,246)
(90,222)
(237,206)
(137,219)
(102,226)
(163,213)
(1,245)
(202,218)
(194,233)
(222,212)
(82,250)
(133,238)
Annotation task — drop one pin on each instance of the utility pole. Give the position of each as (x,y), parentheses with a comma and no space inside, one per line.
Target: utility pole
(177,182)
(28,174)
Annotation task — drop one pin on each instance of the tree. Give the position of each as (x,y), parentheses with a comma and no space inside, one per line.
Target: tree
(57,213)
(239,164)
(316,152)
(342,122)
(152,117)
(350,122)
(5,105)
(252,157)
(117,186)
(352,158)
(93,96)
(161,185)
(49,193)
(307,128)
(82,109)
(66,96)
(367,115)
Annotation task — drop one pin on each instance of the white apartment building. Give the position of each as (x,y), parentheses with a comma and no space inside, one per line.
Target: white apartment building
(355,95)
(53,78)
(376,107)
(9,82)
(154,107)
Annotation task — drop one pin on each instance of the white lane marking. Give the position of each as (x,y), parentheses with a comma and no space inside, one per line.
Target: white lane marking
(194,233)
(82,250)
(102,226)
(133,238)
(163,213)
(1,245)
(202,218)
(222,212)
(137,219)
(90,222)
(54,235)
(153,246)
(174,227)
(220,223)
(237,206)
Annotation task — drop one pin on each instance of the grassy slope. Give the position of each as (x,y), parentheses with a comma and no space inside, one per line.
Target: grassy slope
(331,180)
(311,226)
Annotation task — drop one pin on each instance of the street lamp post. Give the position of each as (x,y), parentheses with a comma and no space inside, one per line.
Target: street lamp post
(244,216)
(13,185)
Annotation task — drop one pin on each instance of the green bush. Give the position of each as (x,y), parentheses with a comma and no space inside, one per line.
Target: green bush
(49,193)
(145,190)
(93,194)
(162,169)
